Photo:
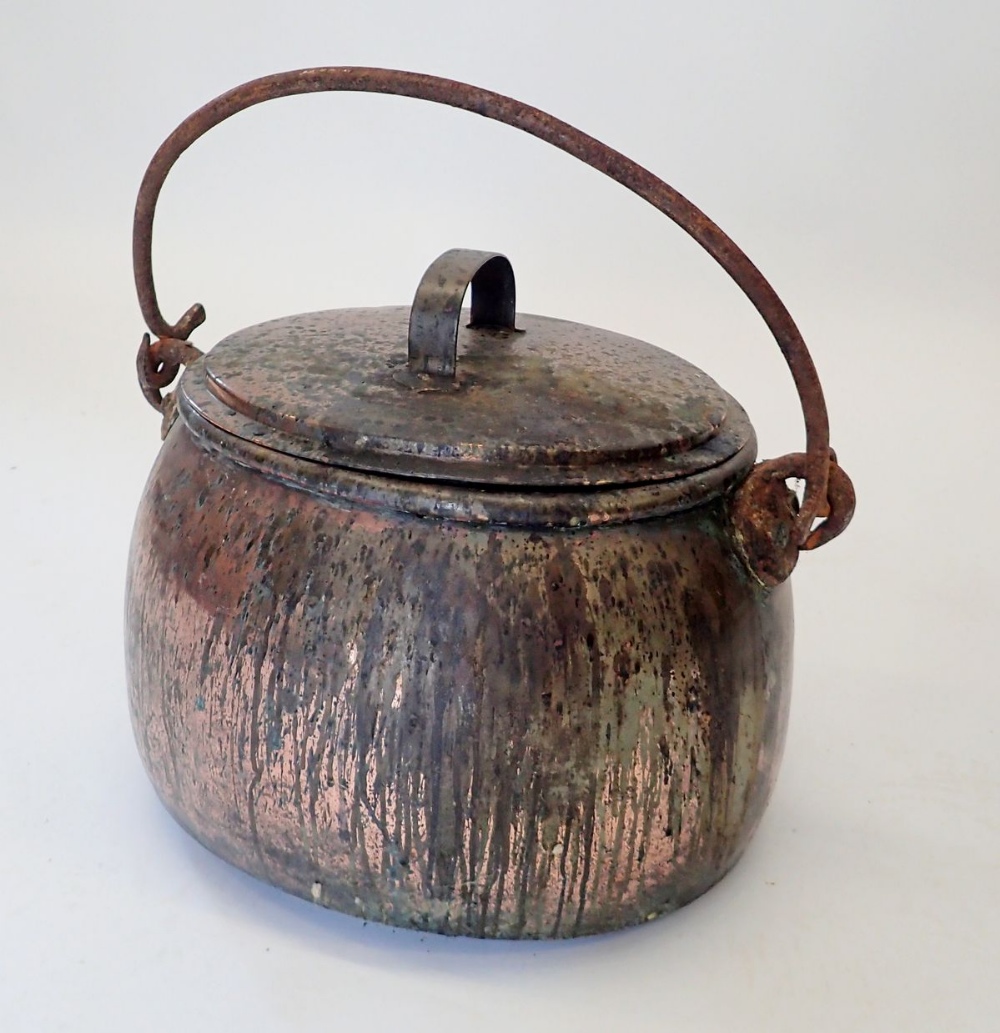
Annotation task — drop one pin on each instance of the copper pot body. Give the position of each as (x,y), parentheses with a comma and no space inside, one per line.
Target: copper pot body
(479,730)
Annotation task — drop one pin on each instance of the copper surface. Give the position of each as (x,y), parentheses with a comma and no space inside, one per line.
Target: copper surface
(504,706)
(816,465)
(468,729)
(555,404)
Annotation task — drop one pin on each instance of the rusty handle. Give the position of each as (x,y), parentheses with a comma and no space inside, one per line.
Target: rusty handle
(814,466)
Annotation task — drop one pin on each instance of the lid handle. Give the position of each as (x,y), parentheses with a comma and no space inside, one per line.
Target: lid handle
(766,520)
(437,306)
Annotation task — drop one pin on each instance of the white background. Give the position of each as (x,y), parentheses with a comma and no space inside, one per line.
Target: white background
(851,147)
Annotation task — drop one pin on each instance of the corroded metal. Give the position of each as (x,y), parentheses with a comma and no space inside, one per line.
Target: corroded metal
(280,457)
(504,652)
(556,403)
(764,512)
(432,344)
(158,363)
(816,468)
(476,730)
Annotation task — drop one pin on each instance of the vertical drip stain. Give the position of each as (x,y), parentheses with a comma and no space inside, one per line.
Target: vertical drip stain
(482,731)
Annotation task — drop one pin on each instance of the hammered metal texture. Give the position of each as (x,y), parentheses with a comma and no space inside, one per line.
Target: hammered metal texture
(815,466)
(556,403)
(722,468)
(477,730)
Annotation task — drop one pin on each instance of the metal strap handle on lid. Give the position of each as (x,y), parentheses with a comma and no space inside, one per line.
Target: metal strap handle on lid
(770,526)
(432,343)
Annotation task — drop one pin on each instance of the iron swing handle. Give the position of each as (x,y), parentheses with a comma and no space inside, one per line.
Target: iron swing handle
(770,527)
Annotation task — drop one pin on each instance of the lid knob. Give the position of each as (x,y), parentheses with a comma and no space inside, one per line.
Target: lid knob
(437,306)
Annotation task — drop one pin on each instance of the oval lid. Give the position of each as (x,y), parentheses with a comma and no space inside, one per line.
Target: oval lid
(546,404)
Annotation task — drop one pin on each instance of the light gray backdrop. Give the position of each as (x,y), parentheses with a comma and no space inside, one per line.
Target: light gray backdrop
(849,146)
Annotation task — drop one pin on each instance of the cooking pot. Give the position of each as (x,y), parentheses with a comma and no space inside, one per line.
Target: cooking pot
(471,623)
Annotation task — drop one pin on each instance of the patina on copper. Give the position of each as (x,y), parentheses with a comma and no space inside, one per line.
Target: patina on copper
(477,629)
(432,339)
(475,729)
(555,404)
(814,470)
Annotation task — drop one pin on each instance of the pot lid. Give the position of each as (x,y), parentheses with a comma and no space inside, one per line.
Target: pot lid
(480,398)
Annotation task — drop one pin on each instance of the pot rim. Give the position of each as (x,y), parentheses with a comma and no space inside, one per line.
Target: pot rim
(259,448)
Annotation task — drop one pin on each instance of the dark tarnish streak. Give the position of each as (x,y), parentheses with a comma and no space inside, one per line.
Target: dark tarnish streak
(480,730)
